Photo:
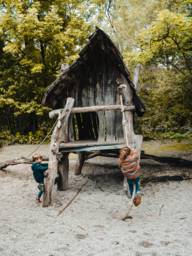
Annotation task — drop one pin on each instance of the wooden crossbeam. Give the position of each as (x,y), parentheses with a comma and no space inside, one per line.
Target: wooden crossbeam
(56,112)
(92,148)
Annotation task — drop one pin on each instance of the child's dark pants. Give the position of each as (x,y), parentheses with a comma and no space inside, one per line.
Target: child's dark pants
(131,185)
(41,190)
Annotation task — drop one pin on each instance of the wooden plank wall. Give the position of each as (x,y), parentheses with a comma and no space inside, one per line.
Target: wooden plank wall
(95,84)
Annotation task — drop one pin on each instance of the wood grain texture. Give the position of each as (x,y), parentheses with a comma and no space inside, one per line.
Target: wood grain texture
(53,152)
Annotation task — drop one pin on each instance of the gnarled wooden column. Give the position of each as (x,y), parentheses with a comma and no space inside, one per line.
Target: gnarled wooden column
(131,140)
(63,172)
(60,128)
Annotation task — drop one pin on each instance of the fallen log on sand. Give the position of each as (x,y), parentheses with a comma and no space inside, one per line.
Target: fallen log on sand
(21,160)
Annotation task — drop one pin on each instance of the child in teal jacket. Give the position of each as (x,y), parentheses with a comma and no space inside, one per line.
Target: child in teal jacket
(39,173)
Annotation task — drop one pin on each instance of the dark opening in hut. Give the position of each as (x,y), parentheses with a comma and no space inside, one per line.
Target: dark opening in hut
(85,126)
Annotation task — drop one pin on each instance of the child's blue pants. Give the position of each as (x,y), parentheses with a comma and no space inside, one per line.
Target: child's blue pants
(131,184)
(39,194)
(41,190)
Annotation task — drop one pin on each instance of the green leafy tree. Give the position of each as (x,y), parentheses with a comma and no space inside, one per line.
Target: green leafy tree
(36,37)
(158,35)
(166,46)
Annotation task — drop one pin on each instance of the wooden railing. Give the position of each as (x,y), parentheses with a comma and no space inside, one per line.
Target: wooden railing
(97,108)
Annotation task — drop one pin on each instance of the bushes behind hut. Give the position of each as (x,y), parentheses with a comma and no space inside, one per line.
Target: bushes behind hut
(36,38)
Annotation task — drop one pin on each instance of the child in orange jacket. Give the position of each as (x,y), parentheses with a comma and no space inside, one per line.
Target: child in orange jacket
(130,167)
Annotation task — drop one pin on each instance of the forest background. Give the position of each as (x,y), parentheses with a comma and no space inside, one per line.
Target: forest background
(37,37)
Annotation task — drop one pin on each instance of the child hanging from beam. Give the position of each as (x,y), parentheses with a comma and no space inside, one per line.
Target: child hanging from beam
(39,173)
(130,167)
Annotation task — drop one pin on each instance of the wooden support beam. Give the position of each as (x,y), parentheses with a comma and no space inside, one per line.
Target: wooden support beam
(79,163)
(54,150)
(127,117)
(127,123)
(63,172)
(91,148)
(92,155)
(104,154)
(56,112)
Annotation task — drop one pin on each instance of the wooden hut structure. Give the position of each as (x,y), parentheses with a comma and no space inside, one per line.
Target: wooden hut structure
(90,98)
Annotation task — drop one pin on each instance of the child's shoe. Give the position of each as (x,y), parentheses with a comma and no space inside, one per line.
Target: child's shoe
(38,200)
(137,199)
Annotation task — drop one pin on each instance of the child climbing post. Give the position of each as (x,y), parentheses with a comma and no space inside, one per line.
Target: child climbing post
(130,167)
(39,173)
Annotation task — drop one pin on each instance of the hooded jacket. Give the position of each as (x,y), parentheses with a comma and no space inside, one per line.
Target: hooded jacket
(38,171)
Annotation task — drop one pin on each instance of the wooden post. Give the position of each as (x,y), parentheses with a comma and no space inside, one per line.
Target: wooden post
(63,172)
(54,150)
(127,117)
(63,167)
(127,122)
(79,164)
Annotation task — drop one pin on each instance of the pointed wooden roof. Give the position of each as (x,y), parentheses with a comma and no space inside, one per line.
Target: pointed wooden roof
(99,40)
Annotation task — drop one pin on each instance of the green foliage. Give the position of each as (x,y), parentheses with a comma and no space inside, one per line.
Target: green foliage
(177,136)
(36,137)
(159,37)
(36,37)
(165,96)
(169,135)
(167,41)
(129,17)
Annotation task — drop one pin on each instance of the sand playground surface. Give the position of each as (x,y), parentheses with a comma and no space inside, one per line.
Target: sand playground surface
(160,226)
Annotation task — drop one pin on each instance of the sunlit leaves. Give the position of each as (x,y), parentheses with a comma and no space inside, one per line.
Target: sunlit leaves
(167,40)
(158,34)
(37,36)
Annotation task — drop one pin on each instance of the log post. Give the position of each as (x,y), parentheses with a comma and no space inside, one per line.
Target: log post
(56,137)
(127,122)
(63,166)
(127,117)
(79,164)
(63,172)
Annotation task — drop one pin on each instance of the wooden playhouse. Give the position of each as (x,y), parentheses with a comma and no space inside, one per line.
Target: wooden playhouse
(95,102)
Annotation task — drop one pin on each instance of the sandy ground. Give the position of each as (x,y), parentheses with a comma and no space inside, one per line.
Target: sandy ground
(162,225)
